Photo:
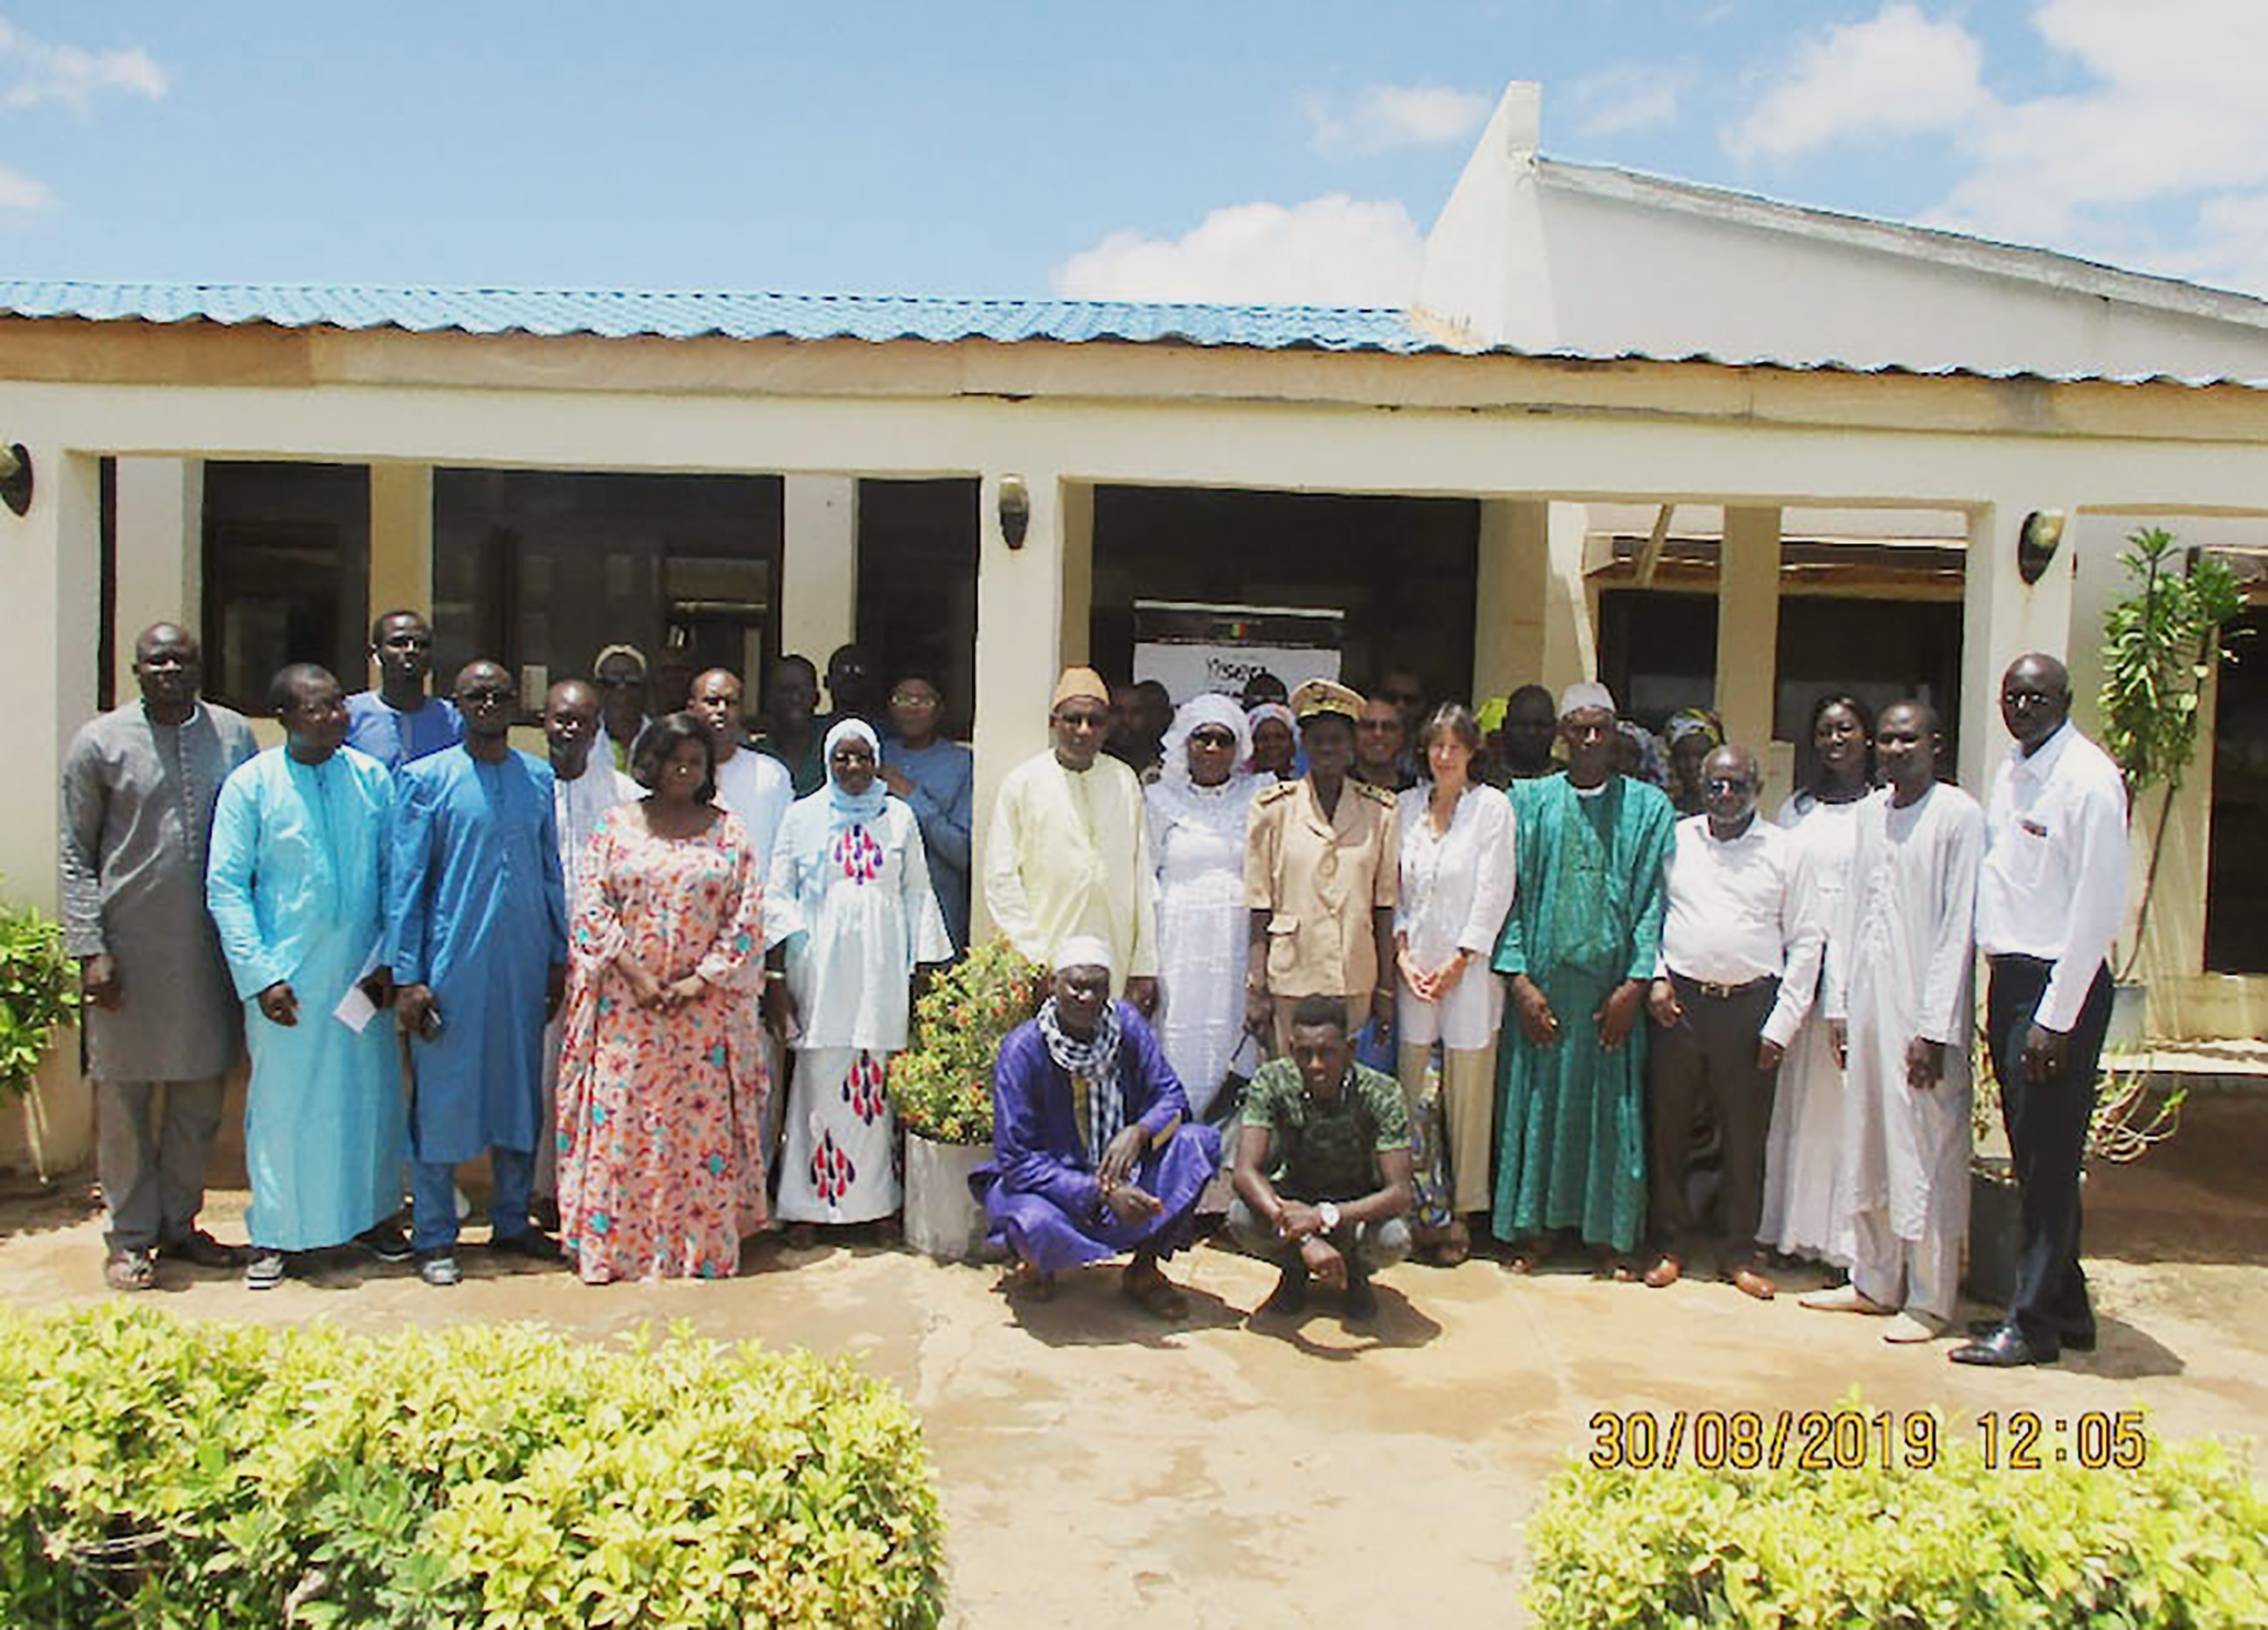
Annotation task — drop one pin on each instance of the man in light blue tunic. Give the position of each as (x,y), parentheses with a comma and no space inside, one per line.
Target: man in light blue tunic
(477,926)
(295,885)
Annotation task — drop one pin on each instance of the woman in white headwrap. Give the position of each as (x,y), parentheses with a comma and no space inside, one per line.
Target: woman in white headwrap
(1197,811)
(849,912)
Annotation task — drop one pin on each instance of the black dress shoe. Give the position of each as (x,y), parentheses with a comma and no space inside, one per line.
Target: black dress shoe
(1290,1293)
(2007,1347)
(536,1247)
(2077,1340)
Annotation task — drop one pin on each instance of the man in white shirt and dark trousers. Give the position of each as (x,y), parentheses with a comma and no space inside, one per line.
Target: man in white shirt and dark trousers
(1740,965)
(2050,896)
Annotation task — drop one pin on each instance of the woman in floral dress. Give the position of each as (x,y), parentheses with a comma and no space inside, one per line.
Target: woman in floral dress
(850,913)
(661,1081)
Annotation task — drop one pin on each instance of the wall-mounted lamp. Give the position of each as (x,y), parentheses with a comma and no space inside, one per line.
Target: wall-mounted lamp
(16,477)
(2035,543)
(1015,509)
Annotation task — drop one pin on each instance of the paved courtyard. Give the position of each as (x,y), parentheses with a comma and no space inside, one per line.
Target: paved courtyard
(1230,1471)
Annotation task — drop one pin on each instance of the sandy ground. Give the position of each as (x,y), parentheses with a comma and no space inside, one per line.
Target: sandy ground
(1235,1471)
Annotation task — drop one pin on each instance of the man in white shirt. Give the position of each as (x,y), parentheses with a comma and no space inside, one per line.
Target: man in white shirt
(754,786)
(1740,964)
(581,793)
(2050,899)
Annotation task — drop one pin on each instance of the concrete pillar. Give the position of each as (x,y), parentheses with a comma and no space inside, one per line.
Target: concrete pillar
(49,580)
(1077,499)
(1531,618)
(819,565)
(1748,627)
(2003,618)
(161,513)
(1023,633)
(400,546)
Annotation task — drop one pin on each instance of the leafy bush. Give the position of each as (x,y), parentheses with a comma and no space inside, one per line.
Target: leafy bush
(39,993)
(941,1085)
(2182,1541)
(157,1473)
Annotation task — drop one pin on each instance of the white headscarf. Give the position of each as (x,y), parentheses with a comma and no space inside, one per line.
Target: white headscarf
(1209,709)
(1275,710)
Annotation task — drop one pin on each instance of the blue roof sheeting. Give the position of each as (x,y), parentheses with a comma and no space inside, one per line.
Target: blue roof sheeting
(685,315)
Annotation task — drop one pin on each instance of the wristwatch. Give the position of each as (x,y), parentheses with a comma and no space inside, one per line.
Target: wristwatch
(1328,1211)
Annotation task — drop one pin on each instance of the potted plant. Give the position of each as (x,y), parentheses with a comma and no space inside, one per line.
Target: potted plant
(2160,644)
(38,994)
(941,1087)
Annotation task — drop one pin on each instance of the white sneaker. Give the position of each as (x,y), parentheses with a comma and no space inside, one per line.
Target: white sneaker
(265,1271)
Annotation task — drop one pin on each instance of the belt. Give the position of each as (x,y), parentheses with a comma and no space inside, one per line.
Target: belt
(1726,993)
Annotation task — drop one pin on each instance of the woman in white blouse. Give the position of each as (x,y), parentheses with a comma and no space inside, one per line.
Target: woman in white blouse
(1457,880)
(1197,808)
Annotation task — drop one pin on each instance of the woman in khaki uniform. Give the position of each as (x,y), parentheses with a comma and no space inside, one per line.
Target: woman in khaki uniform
(1321,875)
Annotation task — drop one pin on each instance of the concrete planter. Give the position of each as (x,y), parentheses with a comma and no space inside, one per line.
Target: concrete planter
(943,1219)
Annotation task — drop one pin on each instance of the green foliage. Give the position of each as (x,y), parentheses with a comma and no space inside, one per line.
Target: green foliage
(2159,646)
(155,1473)
(2182,1541)
(941,1085)
(39,993)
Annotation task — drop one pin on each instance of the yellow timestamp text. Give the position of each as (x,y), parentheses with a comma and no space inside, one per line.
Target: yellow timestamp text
(1853,1440)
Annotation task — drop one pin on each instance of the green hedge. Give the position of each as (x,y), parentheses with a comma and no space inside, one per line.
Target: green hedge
(159,1472)
(2182,1541)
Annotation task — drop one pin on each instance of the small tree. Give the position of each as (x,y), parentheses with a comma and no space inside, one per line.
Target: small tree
(2158,647)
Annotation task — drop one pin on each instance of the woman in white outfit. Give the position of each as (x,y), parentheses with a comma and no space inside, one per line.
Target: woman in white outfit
(1457,877)
(850,913)
(1197,808)
(1804,1212)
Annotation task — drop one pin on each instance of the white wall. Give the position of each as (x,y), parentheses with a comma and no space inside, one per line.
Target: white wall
(1543,255)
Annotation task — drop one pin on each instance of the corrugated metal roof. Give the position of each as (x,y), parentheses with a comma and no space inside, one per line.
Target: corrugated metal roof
(687,314)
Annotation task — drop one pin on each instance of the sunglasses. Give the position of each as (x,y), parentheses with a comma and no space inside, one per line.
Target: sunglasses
(1211,739)
(484,697)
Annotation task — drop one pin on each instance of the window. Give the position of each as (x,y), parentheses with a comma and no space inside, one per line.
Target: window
(2236,874)
(287,574)
(540,569)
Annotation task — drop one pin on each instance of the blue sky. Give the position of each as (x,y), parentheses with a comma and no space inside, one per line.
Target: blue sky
(1241,149)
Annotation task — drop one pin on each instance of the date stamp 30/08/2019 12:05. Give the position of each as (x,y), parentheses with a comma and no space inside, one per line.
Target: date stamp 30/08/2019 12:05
(1852,1440)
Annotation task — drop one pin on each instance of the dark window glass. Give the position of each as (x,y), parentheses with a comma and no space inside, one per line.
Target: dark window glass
(540,569)
(2236,879)
(287,574)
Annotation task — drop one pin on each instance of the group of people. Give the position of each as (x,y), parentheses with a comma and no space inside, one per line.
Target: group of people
(564,957)
(1406,983)
(1653,1027)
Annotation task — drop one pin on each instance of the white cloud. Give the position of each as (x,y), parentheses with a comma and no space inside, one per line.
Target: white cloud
(1383,116)
(1630,96)
(21,192)
(1329,251)
(36,71)
(2167,114)
(1899,71)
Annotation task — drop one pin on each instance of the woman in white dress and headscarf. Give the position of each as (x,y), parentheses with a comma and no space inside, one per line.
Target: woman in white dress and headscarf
(849,914)
(1197,809)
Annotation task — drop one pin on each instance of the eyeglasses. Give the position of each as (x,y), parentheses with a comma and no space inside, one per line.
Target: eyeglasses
(914,699)
(485,695)
(1724,783)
